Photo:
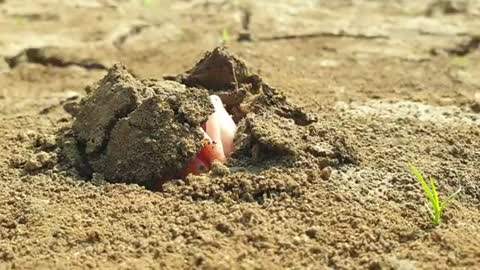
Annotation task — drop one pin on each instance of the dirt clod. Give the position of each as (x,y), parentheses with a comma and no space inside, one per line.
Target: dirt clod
(40,160)
(219,169)
(134,131)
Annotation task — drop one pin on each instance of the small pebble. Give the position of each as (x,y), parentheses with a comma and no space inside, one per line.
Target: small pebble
(219,169)
(326,172)
(312,232)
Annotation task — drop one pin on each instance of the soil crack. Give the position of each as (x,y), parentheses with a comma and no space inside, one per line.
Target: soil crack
(51,56)
(132,31)
(466,47)
(246,17)
(323,34)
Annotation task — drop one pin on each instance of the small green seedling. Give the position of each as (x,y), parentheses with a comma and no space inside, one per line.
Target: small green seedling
(21,21)
(225,37)
(432,195)
(147,3)
(460,61)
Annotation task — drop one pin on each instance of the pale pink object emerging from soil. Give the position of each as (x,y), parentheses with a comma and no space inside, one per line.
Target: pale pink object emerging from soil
(219,131)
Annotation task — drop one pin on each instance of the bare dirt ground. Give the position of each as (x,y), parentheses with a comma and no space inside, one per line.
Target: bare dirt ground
(401,79)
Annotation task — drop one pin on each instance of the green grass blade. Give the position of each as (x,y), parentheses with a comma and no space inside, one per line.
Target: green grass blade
(225,36)
(147,2)
(432,194)
(435,194)
(449,198)
(420,179)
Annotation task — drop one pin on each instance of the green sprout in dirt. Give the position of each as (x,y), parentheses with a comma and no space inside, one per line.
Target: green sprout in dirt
(147,3)
(432,195)
(459,61)
(21,21)
(225,37)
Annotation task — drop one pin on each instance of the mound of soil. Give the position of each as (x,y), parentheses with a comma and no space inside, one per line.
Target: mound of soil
(145,132)
(133,131)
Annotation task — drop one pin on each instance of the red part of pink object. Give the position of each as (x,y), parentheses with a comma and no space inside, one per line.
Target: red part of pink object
(218,145)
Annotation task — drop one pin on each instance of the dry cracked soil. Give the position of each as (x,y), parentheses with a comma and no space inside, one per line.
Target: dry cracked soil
(320,182)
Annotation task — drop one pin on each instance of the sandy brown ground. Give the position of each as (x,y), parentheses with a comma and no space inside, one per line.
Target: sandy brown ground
(398,77)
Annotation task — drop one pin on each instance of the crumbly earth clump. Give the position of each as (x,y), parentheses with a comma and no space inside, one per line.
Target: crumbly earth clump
(139,131)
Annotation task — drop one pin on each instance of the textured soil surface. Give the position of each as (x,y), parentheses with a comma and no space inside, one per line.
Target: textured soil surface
(324,185)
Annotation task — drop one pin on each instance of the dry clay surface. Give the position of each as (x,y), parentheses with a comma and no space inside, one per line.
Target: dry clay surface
(378,84)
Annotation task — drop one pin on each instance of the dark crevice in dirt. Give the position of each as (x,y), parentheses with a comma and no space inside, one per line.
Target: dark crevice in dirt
(246,17)
(73,154)
(475,106)
(133,31)
(442,34)
(50,56)
(465,48)
(322,34)
(36,16)
(65,103)
(446,7)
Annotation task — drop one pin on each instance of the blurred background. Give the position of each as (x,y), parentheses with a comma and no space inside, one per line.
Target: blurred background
(334,50)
